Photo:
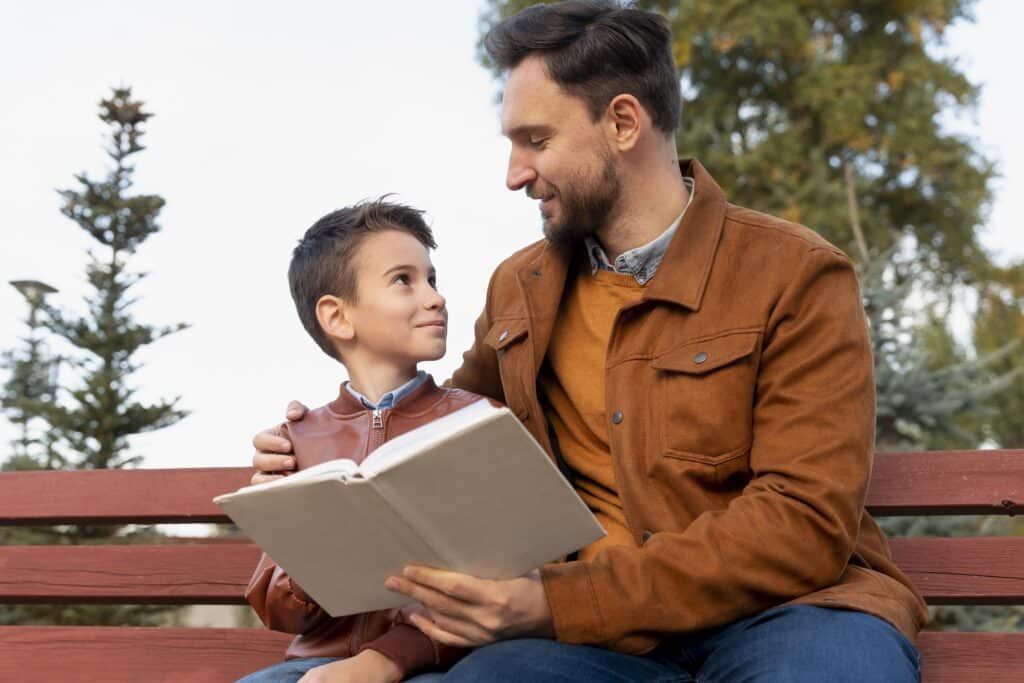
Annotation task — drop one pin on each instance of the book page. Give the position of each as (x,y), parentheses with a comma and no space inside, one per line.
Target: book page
(407,445)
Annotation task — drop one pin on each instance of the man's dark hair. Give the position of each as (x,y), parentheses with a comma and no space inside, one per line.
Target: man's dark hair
(323,261)
(596,50)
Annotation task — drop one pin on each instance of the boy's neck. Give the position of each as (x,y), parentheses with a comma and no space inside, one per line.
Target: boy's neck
(375,380)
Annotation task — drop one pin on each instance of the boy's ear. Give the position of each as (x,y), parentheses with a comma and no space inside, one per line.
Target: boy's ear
(331,314)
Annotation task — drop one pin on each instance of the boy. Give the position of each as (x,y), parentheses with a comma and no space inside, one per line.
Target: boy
(365,290)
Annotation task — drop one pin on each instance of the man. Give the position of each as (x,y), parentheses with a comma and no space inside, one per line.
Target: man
(701,372)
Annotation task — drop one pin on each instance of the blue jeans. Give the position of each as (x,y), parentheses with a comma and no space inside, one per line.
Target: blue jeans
(788,644)
(293,669)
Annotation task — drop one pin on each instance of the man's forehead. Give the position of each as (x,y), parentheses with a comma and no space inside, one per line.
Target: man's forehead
(531,99)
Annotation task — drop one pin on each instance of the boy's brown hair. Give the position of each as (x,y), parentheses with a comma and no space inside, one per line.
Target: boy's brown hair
(323,262)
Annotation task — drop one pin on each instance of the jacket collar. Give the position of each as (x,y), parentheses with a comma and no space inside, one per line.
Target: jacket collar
(681,277)
(683,274)
(420,400)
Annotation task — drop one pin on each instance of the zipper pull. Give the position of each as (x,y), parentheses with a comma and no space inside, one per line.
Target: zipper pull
(378,419)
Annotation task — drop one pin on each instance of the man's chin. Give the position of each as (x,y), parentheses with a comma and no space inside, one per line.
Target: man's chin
(561,235)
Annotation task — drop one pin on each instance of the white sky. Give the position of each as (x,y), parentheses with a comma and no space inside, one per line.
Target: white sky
(268,118)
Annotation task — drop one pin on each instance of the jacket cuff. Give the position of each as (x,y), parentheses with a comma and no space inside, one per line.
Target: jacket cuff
(407,646)
(573,601)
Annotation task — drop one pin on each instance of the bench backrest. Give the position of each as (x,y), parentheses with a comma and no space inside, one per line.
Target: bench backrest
(982,571)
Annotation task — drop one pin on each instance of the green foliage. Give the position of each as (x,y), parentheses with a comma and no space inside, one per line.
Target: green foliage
(780,96)
(101,413)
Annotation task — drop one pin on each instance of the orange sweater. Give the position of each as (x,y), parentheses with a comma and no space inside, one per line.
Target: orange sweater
(574,388)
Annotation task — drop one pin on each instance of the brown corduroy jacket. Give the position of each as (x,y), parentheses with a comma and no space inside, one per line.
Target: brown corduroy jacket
(740,411)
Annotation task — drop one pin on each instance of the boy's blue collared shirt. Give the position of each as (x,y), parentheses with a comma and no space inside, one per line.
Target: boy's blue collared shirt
(393,397)
(643,261)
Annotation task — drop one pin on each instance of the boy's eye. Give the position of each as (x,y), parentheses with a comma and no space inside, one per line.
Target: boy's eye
(433,282)
(402,279)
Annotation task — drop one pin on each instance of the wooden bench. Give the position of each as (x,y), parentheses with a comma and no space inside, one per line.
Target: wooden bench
(966,571)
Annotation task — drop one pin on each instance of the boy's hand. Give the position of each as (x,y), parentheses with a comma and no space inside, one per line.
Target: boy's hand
(469,612)
(271,459)
(369,666)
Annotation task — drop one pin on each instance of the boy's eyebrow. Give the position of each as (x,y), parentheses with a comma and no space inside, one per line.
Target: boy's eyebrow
(406,266)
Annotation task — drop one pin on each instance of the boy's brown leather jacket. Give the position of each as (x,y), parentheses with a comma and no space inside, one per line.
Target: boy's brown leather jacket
(740,413)
(344,428)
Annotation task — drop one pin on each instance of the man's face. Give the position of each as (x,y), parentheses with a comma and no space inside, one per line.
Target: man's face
(399,316)
(559,155)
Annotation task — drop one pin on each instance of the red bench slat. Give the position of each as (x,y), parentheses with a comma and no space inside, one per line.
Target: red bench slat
(131,654)
(153,574)
(117,496)
(948,482)
(952,657)
(940,482)
(964,571)
(946,570)
(208,655)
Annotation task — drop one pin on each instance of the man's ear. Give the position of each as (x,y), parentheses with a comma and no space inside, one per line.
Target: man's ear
(331,313)
(625,117)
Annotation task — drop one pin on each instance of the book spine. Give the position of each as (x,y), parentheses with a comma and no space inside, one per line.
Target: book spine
(414,521)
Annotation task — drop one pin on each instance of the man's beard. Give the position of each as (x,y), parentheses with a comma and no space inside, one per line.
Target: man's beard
(584,209)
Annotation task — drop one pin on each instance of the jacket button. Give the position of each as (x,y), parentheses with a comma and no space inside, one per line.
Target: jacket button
(646,536)
(700,357)
(503,336)
(617,417)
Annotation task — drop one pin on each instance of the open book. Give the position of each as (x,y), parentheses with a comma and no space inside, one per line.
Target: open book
(472,492)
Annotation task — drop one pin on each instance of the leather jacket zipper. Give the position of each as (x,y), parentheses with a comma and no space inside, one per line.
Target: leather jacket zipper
(378,419)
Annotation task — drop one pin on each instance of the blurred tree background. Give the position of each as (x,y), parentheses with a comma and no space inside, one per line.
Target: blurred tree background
(82,418)
(845,116)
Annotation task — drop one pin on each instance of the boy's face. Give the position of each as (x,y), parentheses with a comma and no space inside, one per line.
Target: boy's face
(398,317)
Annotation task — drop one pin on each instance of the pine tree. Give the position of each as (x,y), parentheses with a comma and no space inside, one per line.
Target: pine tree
(94,415)
(102,412)
(30,387)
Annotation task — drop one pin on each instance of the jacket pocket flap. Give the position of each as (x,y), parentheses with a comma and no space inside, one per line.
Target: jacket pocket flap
(505,332)
(699,357)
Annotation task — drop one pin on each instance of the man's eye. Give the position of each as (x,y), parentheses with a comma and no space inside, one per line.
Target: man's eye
(539,142)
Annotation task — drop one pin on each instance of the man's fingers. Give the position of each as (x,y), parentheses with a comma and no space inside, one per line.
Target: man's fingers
(295,411)
(435,601)
(442,635)
(461,586)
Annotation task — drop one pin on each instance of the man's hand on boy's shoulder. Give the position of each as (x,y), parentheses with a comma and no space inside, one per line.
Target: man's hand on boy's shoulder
(272,459)
(369,666)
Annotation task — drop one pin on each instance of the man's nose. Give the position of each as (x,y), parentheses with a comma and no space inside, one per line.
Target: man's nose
(520,174)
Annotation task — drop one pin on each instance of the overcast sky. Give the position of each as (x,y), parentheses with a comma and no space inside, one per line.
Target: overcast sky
(267,118)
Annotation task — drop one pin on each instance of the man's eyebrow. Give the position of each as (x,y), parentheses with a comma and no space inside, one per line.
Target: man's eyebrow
(528,128)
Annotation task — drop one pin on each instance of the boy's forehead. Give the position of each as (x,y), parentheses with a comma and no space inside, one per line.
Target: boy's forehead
(388,249)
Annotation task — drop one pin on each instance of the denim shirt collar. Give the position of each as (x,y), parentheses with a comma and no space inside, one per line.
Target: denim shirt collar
(393,397)
(643,261)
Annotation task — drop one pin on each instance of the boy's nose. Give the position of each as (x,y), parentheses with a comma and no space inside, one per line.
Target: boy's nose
(435,302)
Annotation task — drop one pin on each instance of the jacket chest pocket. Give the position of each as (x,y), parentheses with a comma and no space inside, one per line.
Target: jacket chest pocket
(509,339)
(704,398)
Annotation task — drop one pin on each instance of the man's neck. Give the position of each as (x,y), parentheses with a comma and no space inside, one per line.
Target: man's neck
(650,203)
(373,380)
